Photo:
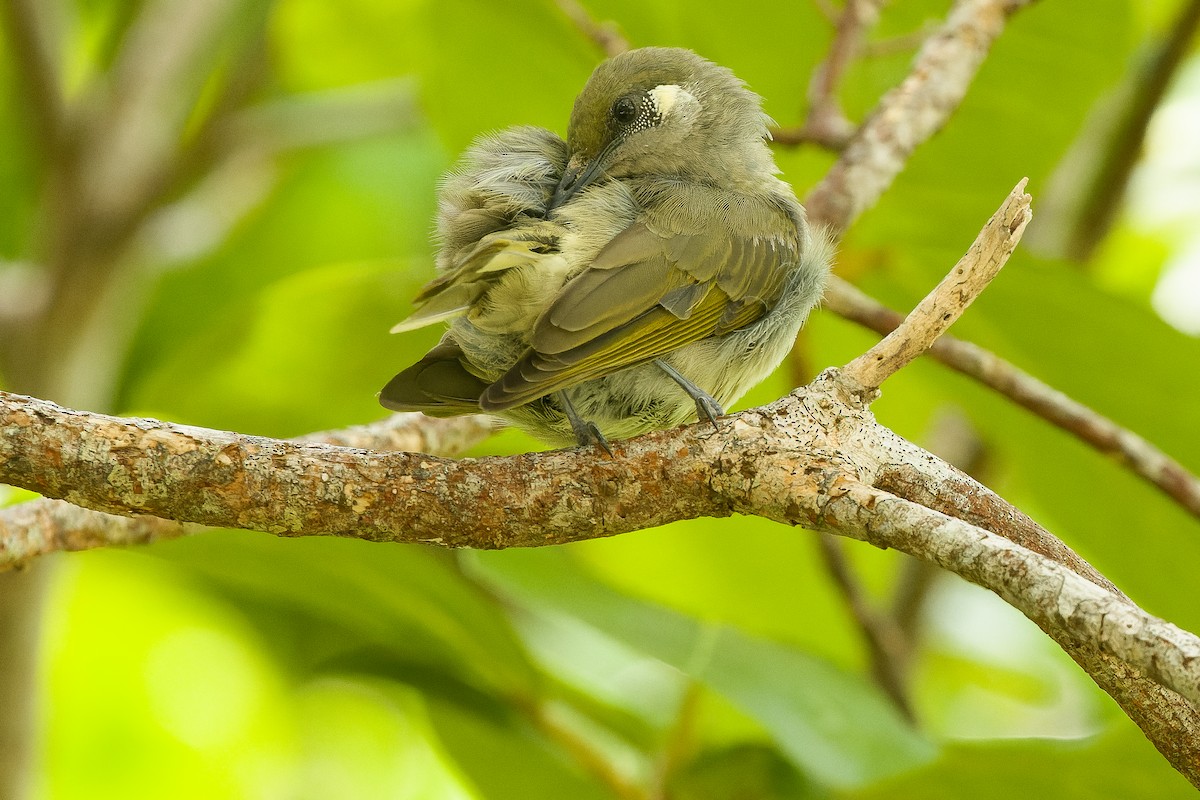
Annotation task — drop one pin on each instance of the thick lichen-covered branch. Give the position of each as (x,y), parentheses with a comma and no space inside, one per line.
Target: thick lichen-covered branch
(43,526)
(815,458)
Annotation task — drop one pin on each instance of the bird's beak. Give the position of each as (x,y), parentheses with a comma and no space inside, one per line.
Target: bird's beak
(578,175)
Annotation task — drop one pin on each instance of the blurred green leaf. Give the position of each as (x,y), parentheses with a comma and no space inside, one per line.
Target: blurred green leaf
(476,81)
(698,568)
(358,41)
(1113,765)
(506,760)
(743,772)
(310,282)
(832,724)
(360,739)
(157,689)
(405,602)
(307,353)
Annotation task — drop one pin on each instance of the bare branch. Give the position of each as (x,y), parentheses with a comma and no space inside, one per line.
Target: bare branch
(1134,452)
(1114,142)
(857,17)
(139,466)
(1150,667)
(949,299)
(35,36)
(901,43)
(1056,598)
(831,137)
(44,526)
(813,458)
(911,113)
(885,640)
(807,460)
(825,123)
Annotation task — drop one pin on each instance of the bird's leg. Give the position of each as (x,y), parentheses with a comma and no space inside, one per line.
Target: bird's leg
(585,432)
(706,407)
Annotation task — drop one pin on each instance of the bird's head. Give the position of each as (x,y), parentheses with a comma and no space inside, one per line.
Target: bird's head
(663,111)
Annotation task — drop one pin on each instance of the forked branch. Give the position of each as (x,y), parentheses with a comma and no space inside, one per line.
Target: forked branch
(813,459)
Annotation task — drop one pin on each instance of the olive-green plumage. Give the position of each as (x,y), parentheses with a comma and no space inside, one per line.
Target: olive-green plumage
(650,267)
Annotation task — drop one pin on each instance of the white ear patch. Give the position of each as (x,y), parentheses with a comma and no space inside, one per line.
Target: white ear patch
(669,95)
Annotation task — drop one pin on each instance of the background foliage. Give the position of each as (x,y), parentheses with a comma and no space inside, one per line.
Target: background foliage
(710,659)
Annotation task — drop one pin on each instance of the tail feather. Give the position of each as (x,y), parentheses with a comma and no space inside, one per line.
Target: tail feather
(438,385)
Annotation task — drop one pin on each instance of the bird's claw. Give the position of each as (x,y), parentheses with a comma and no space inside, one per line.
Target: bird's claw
(709,409)
(586,433)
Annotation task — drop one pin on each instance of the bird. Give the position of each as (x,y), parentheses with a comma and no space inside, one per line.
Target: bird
(644,273)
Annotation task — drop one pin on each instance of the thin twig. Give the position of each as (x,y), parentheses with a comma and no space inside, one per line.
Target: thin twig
(605,35)
(901,43)
(911,113)
(1140,456)
(885,641)
(680,741)
(831,137)
(1100,195)
(949,300)
(825,120)
(592,761)
(909,594)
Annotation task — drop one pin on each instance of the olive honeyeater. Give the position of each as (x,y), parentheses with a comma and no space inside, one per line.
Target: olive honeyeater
(650,269)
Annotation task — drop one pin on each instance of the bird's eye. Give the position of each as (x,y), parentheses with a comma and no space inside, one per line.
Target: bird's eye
(625,111)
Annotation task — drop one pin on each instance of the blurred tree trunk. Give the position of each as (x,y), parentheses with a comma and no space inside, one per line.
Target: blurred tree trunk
(109,157)
(21,594)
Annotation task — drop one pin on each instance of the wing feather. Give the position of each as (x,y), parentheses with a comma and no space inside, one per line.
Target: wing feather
(654,333)
(644,296)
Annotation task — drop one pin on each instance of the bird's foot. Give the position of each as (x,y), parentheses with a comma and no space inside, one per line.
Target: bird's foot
(586,432)
(706,407)
(709,409)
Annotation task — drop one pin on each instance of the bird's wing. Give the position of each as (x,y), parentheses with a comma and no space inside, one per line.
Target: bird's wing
(490,219)
(645,295)
(454,292)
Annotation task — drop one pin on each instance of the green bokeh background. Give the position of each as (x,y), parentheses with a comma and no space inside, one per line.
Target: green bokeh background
(236,665)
